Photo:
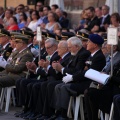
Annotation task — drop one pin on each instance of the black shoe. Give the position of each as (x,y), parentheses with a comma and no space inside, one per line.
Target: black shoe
(27,117)
(35,117)
(19,114)
(25,114)
(42,118)
(53,117)
(61,118)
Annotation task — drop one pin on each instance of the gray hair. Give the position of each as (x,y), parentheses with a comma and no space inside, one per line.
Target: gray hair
(75,41)
(63,43)
(108,8)
(52,41)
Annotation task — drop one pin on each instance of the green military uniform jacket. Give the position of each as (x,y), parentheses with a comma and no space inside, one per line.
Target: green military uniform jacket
(16,68)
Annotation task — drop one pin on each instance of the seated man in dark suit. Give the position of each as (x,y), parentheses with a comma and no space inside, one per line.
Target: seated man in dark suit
(48,86)
(30,74)
(102,98)
(75,83)
(30,84)
(76,62)
(105,22)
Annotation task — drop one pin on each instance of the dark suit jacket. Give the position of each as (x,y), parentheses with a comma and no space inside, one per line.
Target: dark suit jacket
(77,62)
(64,22)
(63,62)
(41,71)
(106,21)
(97,63)
(43,55)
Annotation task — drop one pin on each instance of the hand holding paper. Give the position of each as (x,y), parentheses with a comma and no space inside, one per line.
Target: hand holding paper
(67,78)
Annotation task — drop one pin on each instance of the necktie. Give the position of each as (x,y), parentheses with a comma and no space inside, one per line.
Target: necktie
(107,64)
(60,60)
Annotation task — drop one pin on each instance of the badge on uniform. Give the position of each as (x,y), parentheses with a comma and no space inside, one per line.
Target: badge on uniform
(17,61)
(7,54)
(9,59)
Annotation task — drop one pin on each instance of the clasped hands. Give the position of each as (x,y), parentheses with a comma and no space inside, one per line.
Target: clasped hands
(57,66)
(32,66)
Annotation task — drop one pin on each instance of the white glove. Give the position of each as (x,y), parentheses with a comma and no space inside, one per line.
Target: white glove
(35,52)
(67,78)
(3,62)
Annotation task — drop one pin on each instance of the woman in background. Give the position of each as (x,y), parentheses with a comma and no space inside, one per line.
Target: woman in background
(13,26)
(33,24)
(23,20)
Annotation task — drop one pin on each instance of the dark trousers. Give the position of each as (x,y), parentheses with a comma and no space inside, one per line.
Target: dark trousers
(96,99)
(116,101)
(42,94)
(47,109)
(21,90)
(34,89)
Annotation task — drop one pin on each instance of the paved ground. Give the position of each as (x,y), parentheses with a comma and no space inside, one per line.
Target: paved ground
(10,114)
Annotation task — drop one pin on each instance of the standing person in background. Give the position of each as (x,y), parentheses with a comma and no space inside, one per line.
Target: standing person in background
(33,24)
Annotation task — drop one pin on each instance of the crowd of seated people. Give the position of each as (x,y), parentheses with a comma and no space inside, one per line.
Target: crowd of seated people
(47,73)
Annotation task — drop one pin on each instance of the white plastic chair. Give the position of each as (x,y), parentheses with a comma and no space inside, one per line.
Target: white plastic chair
(107,116)
(79,103)
(111,112)
(6,93)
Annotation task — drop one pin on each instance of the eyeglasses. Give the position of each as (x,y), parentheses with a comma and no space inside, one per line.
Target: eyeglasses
(61,48)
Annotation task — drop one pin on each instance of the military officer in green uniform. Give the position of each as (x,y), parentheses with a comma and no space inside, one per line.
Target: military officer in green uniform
(5,48)
(15,68)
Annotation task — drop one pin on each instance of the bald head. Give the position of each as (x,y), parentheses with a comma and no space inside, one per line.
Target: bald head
(62,48)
